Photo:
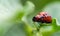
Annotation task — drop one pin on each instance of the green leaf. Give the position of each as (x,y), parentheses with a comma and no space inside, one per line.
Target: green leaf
(16,19)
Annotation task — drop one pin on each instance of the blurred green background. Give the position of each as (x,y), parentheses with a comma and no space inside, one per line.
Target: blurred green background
(16,17)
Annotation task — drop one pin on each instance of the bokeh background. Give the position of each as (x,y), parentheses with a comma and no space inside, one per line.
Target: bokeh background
(16,16)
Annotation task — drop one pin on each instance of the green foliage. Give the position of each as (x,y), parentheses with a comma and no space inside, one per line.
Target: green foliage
(20,23)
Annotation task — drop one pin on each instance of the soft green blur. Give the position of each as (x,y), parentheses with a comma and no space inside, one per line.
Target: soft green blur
(16,17)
